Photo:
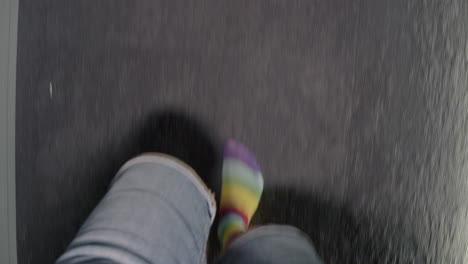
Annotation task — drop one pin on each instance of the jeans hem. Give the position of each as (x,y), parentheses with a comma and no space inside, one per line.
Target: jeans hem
(180,166)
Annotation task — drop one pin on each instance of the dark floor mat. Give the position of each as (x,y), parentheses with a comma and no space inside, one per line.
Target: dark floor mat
(356,109)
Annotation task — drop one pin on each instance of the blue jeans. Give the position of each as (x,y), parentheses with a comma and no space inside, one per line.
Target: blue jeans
(159,211)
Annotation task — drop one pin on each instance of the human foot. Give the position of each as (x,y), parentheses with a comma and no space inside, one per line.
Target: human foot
(241,191)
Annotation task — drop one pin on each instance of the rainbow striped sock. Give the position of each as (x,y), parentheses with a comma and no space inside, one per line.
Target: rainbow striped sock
(241,191)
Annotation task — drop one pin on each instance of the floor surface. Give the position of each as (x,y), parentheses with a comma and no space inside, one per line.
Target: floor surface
(358,111)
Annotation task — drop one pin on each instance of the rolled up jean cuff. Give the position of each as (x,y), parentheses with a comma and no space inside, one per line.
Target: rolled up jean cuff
(157,210)
(271,244)
(170,161)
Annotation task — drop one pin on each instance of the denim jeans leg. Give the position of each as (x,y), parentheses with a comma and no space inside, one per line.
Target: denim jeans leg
(272,244)
(156,211)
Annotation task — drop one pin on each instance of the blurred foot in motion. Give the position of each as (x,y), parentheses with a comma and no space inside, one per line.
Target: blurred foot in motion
(241,191)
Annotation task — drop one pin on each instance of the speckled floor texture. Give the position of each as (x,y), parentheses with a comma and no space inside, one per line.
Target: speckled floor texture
(358,111)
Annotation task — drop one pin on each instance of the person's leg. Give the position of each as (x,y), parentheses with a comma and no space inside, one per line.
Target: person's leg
(272,244)
(156,211)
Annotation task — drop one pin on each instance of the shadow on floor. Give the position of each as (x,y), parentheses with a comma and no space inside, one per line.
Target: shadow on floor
(180,135)
(338,236)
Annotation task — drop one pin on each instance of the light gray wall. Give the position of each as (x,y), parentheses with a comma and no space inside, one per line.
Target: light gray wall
(8,32)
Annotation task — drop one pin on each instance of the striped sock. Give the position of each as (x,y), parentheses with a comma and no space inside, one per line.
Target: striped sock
(241,191)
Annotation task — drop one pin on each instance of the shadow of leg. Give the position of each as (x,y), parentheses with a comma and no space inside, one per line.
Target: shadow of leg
(177,134)
(338,236)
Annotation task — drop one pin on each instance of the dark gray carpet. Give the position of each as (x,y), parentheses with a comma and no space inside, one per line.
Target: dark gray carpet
(357,110)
